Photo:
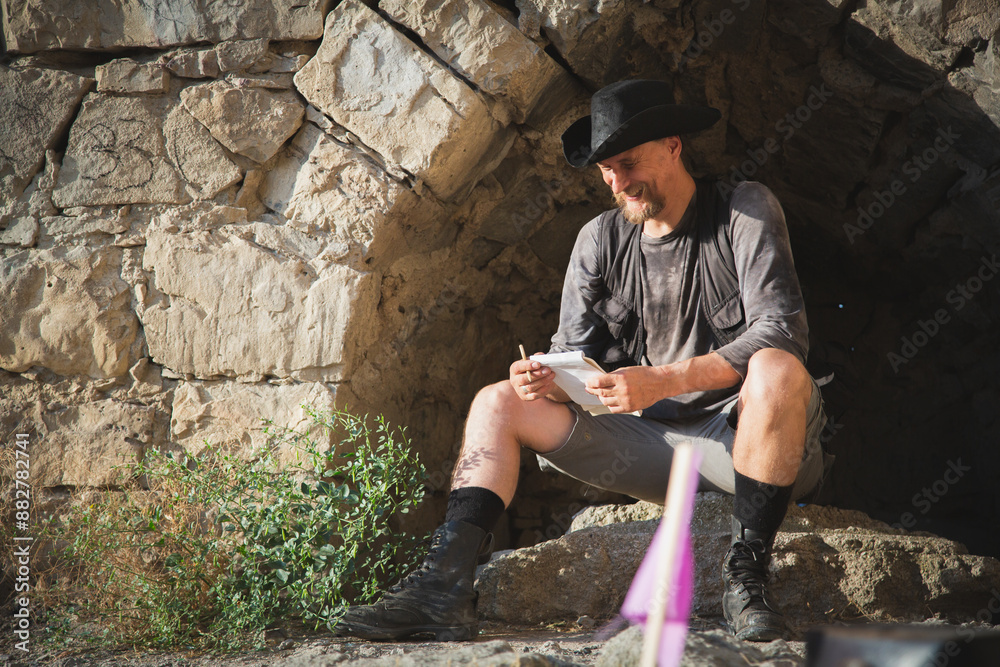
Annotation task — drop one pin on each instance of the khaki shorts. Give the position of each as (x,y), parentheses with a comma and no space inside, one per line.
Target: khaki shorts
(631,455)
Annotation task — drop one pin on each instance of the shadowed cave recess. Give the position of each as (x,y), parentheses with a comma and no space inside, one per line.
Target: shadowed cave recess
(217,217)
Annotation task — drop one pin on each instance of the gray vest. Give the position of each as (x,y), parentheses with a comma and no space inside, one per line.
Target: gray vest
(621,265)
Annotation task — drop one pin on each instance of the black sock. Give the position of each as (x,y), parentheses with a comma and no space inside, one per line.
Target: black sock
(476,505)
(759,506)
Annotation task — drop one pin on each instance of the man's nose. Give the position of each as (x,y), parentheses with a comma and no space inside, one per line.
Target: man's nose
(618,182)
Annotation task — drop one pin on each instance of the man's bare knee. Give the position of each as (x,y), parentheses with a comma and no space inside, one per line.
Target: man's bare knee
(499,414)
(495,399)
(776,377)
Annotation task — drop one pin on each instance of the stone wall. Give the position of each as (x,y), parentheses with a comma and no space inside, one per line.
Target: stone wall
(215,215)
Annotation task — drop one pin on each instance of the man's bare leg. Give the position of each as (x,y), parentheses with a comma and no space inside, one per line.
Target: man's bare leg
(772,427)
(767,453)
(499,424)
(438,597)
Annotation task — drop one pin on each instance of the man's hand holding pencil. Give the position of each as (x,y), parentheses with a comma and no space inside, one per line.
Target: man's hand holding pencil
(530,379)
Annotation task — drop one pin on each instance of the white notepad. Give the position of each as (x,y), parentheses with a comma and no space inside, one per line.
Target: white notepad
(572,371)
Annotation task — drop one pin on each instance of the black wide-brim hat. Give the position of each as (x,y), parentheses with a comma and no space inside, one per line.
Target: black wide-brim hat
(627,114)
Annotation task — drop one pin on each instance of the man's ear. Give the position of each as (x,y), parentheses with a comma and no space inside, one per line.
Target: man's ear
(675,145)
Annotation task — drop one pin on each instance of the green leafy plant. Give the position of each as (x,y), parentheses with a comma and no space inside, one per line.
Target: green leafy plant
(218,547)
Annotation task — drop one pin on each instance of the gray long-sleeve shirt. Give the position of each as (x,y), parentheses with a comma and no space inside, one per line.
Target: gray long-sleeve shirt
(675,327)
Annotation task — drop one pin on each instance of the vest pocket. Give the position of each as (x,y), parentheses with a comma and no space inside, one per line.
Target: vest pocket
(622,323)
(621,319)
(727,318)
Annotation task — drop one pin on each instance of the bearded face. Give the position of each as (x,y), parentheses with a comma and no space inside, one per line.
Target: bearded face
(638,212)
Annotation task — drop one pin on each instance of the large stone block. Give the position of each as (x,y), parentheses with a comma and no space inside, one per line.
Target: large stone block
(193,63)
(239,55)
(554,580)
(401,103)
(229,415)
(973,101)
(117,155)
(68,310)
(955,22)
(36,106)
(588,33)
(128,76)
(20,216)
(897,46)
(199,158)
(39,25)
(969,20)
(484,47)
(22,232)
(249,121)
(252,301)
(320,184)
(82,445)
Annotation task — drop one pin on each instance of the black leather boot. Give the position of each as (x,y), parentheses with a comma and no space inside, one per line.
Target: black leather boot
(436,598)
(749,610)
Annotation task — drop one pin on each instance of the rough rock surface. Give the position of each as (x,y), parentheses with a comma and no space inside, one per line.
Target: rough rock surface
(241,54)
(484,48)
(35,25)
(606,515)
(85,443)
(248,121)
(556,579)
(580,32)
(716,648)
(323,185)
(23,214)
(193,63)
(488,654)
(79,430)
(231,417)
(21,232)
(117,155)
(128,76)
(39,103)
(828,564)
(67,310)
(250,301)
(908,30)
(200,160)
(401,102)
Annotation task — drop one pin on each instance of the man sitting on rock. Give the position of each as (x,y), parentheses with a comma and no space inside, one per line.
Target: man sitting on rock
(693,305)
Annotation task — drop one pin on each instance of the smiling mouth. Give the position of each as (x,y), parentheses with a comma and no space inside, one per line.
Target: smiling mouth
(633,197)
(635,206)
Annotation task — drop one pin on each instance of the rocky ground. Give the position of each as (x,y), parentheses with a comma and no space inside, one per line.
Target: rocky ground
(497,646)
(830,568)
(708,645)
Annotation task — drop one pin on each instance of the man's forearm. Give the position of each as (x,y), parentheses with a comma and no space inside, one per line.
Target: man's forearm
(638,387)
(704,373)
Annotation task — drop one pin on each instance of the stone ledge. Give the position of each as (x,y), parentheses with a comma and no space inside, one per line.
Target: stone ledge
(829,564)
